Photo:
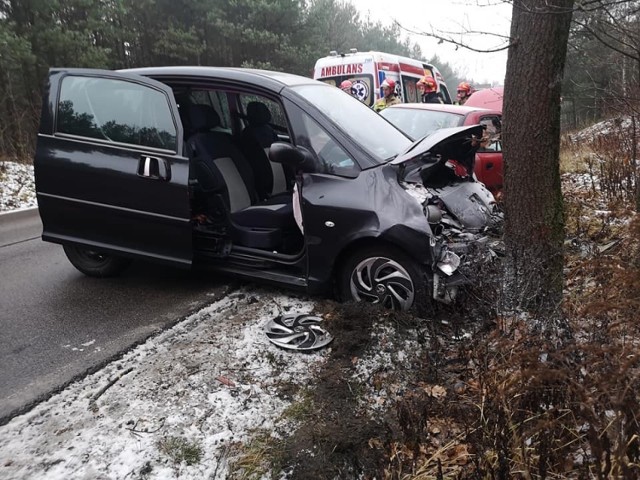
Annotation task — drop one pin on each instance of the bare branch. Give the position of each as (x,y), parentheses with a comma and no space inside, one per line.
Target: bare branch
(598,36)
(442,39)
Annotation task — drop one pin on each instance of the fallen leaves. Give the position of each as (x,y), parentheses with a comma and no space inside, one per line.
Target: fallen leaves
(435,391)
(226,381)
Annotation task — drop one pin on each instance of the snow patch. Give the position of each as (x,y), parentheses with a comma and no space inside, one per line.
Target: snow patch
(211,380)
(17,186)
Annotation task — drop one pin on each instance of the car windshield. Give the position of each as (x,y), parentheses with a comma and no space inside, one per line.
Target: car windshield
(417,122)
(365,126)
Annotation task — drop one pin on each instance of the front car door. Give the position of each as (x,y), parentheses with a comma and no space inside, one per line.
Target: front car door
(109,167)
(345,194)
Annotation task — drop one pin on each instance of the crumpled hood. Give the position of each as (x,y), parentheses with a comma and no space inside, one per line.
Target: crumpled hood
(455,142)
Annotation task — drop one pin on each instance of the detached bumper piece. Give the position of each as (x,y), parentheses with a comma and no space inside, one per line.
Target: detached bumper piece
(446,279)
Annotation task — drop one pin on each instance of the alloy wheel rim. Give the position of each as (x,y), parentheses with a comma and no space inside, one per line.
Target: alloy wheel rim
(383,281)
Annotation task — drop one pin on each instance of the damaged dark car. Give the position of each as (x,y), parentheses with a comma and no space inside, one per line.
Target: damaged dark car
(264,175)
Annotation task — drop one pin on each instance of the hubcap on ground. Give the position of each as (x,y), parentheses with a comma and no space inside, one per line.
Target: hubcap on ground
(297,331)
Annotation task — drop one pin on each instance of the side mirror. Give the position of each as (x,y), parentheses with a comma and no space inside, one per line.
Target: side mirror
(287,154)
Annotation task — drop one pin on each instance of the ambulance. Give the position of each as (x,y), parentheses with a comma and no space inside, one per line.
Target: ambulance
(367,70)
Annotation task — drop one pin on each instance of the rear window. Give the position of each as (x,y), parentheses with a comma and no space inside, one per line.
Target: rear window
(410,89)
(115,111)
(493,130)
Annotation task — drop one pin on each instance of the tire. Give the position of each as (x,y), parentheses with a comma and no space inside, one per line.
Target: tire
(95,263)
(383,275)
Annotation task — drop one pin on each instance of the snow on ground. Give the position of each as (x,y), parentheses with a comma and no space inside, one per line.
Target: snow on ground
(600,129)
(17,186)
(201,387)
(207,383)
(180,405)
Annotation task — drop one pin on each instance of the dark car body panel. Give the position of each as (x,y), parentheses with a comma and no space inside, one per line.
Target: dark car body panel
(91,192)
(101,194)
(371,214)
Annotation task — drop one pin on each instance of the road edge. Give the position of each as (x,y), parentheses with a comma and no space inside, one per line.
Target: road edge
(10,215)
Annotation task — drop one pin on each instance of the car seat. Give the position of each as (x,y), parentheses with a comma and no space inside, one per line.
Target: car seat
(227,183)
(256,138)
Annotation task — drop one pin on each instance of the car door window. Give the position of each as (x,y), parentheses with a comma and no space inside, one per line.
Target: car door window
(277,120)
(217,99)
(410,89)
(493,128)
(116,111)
(331,157)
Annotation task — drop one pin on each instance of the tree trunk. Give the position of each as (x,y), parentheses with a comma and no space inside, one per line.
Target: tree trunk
(534,228)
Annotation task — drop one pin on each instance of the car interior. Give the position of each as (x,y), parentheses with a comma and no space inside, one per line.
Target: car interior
(239,197)
(493,131)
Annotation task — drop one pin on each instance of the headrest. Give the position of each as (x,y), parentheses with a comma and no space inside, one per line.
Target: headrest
(203,117)
(258,114)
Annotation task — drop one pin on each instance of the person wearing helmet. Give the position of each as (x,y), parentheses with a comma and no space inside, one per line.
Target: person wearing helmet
(346,86)
(389,95)
(428,90)
(464,92)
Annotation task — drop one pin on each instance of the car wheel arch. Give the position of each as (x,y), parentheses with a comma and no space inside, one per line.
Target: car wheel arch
(95,262)
(359,244)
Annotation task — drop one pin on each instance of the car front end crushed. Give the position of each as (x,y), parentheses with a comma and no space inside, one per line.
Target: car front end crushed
(463,215)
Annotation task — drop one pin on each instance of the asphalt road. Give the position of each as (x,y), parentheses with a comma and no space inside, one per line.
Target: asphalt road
(57,325)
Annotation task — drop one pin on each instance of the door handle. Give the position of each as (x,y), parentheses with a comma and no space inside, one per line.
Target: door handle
(154,168)
(489,166)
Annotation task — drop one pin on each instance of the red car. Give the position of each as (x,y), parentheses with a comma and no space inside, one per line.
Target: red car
(419,119)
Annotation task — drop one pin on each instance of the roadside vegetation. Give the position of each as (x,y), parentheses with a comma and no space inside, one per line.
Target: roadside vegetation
(491,394)
(282,35)
(493,388)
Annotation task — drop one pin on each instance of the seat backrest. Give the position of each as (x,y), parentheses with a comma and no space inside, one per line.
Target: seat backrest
(258,117)
(257,137)
(222,161)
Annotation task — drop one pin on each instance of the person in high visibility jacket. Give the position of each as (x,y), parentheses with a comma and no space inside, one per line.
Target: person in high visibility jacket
(389,95)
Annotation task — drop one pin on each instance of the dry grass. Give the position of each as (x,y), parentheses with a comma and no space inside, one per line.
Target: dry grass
(180,450)
(523,406)
(575,157)
(510,402)
(256,459)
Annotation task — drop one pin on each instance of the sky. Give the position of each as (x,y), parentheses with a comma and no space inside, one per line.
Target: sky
(456,18)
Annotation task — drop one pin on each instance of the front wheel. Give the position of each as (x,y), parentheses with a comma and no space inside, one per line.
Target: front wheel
(95,263)
(383,275)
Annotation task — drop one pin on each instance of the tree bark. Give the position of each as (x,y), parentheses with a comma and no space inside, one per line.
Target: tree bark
(534,225)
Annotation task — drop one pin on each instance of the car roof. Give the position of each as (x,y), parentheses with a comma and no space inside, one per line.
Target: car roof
(443,107)
(267,78)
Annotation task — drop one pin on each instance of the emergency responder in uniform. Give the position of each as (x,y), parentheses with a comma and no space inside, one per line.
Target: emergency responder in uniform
(464,92)
(389,95)
(428,90)
(346,86)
